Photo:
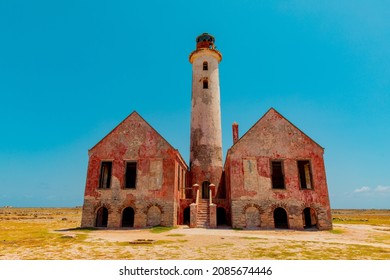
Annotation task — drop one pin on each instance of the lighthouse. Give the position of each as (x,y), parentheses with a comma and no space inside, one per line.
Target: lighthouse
(206,133)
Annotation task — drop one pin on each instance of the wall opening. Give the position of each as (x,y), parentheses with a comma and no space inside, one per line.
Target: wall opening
(105,175)
(186,216)
(205,66)
(131,175)
(305,175)
(153,216)
(205,84)
(280,218)
(277,175)
(206,190)
(178,177)
(128,217)
(102,217)
(252,217)
(221,216)
(309,218)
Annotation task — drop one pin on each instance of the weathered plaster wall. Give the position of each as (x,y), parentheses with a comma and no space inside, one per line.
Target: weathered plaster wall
(157,189)
(249,175)
(206,133)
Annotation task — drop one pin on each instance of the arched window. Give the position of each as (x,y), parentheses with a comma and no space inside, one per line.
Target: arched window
(205,66)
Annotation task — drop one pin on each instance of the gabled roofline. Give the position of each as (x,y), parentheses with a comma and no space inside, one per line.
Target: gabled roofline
(273,109)
(136,113)
(112,130)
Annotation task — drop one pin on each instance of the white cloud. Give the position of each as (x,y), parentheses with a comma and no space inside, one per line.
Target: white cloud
(362,189)
(378,190)
(382,189)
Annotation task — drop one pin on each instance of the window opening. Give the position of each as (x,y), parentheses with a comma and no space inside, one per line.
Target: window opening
(205,84)
(277,175)
(205,66)
(178,177)
(131,175)
(305,175)
(105,175)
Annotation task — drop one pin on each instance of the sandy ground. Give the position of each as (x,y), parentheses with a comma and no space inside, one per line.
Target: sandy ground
(357,235)
(198,243)
(53,234)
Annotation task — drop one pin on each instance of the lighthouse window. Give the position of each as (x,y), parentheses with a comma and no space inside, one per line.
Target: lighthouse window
(205,66)
(205,84)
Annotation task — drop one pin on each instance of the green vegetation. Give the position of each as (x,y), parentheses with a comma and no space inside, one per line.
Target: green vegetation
(160,229)
(336,231)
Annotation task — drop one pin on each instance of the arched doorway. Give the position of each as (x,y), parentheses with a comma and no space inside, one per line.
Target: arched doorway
(186,216)
(153,216)
(280,218)
(128,217)
(206,190)
(221,216)
(309,218)
(102,217)
(252,217)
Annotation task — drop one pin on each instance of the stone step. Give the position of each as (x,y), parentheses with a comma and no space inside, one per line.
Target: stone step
(202,220)
(202,225)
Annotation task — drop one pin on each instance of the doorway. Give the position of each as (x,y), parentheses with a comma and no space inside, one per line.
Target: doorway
(280,218)
(206,190)
(128,217)
(221,216)
(186,216)
(309,218)
(102,217)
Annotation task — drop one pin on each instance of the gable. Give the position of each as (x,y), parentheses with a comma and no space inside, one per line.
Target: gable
(133,138)
(273,135)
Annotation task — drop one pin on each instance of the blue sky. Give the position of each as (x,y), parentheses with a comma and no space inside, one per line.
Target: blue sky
(70,71)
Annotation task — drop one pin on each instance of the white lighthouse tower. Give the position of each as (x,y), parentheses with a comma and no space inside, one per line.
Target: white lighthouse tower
(206,132)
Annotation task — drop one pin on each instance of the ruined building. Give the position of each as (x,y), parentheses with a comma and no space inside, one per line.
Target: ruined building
(273,176)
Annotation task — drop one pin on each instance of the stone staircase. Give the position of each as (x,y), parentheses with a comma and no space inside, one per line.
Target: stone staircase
(203,220)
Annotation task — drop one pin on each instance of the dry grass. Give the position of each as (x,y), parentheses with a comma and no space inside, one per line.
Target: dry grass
(43,233)
(362,217)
